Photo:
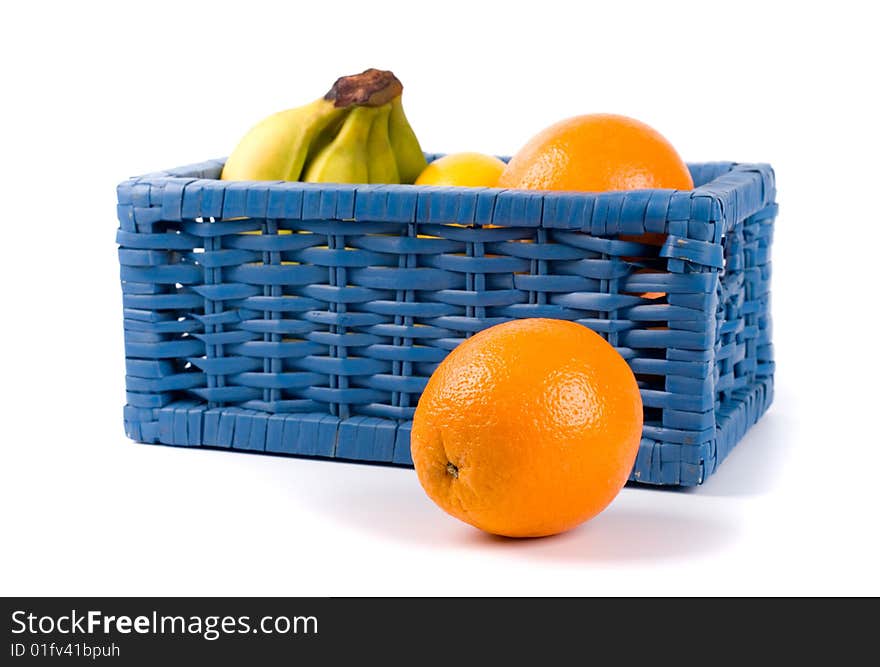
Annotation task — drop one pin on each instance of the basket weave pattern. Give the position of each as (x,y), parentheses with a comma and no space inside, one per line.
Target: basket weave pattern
(306,319)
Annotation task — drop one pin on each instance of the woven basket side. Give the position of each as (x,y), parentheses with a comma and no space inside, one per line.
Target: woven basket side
(305,318)
(743,349)
(158,302)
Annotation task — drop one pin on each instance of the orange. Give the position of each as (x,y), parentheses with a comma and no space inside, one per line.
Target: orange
(595,153)
(528,428)
(467,169)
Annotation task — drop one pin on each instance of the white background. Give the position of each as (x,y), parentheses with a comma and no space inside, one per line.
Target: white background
(94,93)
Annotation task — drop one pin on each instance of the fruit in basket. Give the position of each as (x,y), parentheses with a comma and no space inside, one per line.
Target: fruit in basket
(346,158)
(317,142)
(467,169)
(410,158)
(277,147)
(382,166)
(595,153)
(528,428)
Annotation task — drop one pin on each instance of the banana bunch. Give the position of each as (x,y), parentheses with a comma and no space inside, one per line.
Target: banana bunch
(356,133)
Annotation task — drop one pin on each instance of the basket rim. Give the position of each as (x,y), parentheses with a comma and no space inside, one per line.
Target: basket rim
(738,191)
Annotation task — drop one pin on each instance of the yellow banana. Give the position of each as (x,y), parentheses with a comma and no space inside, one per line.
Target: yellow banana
(345,159)
(356,133)
(410,158)
(381,165)
(277,147)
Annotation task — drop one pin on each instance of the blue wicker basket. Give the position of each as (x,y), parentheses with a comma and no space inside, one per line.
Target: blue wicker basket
(305,319)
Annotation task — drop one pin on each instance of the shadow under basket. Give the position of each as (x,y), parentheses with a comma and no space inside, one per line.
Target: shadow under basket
(305,319)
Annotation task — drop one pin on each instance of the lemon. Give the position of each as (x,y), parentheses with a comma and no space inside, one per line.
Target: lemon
(467,169)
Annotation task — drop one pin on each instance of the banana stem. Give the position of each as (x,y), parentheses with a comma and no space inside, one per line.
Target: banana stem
(371,88)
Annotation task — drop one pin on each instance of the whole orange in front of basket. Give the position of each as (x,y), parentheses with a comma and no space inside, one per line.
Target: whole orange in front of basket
(528,428)
(595,153)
